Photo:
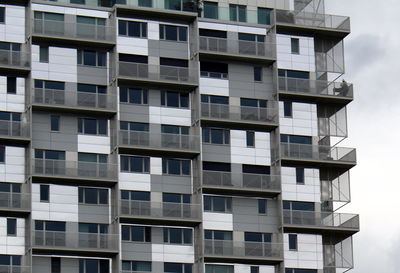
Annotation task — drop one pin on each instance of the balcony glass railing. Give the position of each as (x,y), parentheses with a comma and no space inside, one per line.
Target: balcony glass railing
(15,201)
(314,20)
(55,97)
(244,181)
(14,128)
(75,169)
(17,59)
(318,152)
(182,211)
(157,72)
(73,30)
(159,141)
(238,113)
(338,257)
(67,240)
(240,249)
(246,16)
(321,219)
(237,47)
(316,87)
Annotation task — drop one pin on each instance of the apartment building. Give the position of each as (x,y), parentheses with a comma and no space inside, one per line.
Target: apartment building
(173,136)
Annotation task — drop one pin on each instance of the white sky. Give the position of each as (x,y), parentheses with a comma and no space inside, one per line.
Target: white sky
(373,65)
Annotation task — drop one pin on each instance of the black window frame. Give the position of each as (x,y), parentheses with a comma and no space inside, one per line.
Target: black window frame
(101,195)
(293,242)
(250,139)
(209,138)
(295,46)
(2,15)
(11,85)
(287,109)
(12,227)
(101,129)
(126,29)
(181,33)
(185,236)
(262,206)
(300,179)
(55,123)
(258,77)
(100,58)
(210,202)
(185,166)
(44,193)
(126,95)
(182,100)
(129,232)
(145,164)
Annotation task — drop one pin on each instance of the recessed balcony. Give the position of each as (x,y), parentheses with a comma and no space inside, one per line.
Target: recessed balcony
(325,155)
(15,61)
(237,49)
(74,101)
(14,131)
(242,115)
(158,74)
(241,250)
(298,219)
(178,143)
(315,90)
(241,182)
(74,170)
(15,202)
(160,211)
(309,21)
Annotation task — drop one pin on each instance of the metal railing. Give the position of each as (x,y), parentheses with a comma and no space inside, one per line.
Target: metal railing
(246,181)
(157,72)
(183,211)
(67,240)
(75,169)
(237,47)
(88,3)
(159,141)
(74,99)
(238,113)
(73,30)
(310,19)
(315,87)
(242,249)
(338,256)
(318,152)
(15,269)
(321,219)
(14,128)
(15,200)
(18,59)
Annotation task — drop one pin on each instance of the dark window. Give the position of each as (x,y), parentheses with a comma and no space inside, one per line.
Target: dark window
(216,268)
(132,58)
(132,29)
(295,45)
(135,164)
(173,33)
(136,266)
(177,236)
(176,166)
(255,169)
(216,166)
(253,103)
(52,85)
(296,139)
(264,16)
(174,99)
(91,88)
(55,123)
(218,235)
(262,206)
(11,227)
(214,70)
(55,265)
(50,225)
(173,129)
(144,3)
(94,266)
(93,196)
(212,33)
(135,195)
(216,136)
(250,138)
(10,187)
(299,175)
(251,37)
(210,10)
(237,13)
(49,154)
(176,198)
(44,193)
(258,237)
(174,62)
(177,268)
(254,269)
(93,228)
(287,109)
(90,126)
(298,270)
(292,241)
(133,95)
(2,14)
(44,54)
(92,58)
(11,85)
(136,233)
(217,204)
(215,99)
(294,74)
(258,73)
(134,126)
(9,260)
(297,205)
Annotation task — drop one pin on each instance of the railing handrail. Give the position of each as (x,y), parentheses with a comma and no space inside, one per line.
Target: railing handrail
(230,106)
(237,40)
(233,242)
(73,91)
(161,134)
(160,203)
(319,146)
(73,23)
(158,65)
(255,174)
(321,212)
(76,233)
(75,161)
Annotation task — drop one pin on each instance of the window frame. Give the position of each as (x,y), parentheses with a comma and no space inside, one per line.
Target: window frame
(43,191)
(12,227)
(166,167)
(287,109)
(143,29)
(99,55)
(57,119)
(295,46)
(211,199)
(185,233)
(250,135)
(144,95)
(12,85)
(146,230)
(145,164)
(178,29)
(262,205)
(82,196)
(3,15)
(181,99)
(293,242)
(207,135)
(83,126)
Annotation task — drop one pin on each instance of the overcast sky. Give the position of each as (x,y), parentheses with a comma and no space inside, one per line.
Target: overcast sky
(373,65)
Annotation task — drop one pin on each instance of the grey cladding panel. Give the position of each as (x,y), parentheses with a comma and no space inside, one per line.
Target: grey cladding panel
(135,252)
(168,49)
(217,153)
(134,112)
(93,213)
(171,183)
(92,75)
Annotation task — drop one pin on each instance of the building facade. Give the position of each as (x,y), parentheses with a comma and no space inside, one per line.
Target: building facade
(173,136)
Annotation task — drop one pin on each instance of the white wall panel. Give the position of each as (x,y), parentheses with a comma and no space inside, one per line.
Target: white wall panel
(260,154)
(309,252)
(310,191)
(304,61)
(14,28)
(14,168)
(304,120)
(217,87)
(12,245)
(130,45)
(72,11)
(172,253)
(217,221)
(12,102)
(233,28)
(94,144)
(134,181)
(172,116)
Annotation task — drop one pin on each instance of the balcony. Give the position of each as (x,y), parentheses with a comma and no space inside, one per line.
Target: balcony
(70,100)
(14,131)
(79,242)
(164,142)
(161,211)
(17,61)
(76,33)
(315,90)
(338,256)
(15,202)
(299,219)
(336,156)
(248,16)
(247,182)
(74,170)
(15,269)
(158,74)
(243,115)
(320,23)
(226,249)
(237,49)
